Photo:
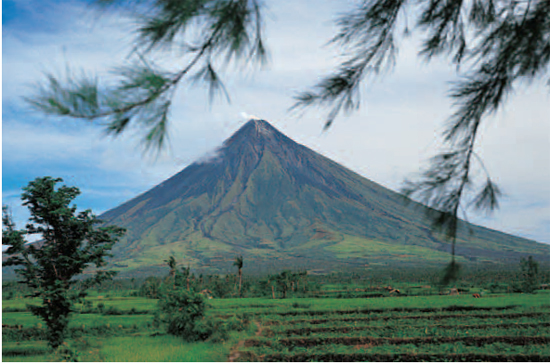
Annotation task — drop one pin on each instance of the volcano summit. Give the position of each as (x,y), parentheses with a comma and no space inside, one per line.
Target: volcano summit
(269,198)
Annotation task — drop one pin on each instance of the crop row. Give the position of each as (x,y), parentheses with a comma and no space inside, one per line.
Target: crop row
(109,311)
(346,329)
(36,333)
(400,322)
(375,341)
(300,310)
(453,308)
(406,357)
(434,348)
(415,317)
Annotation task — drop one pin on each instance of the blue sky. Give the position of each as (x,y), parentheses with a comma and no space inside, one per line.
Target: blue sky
(389,139)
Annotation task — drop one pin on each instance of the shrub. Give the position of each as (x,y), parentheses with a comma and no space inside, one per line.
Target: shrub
(180,311)
(66,353)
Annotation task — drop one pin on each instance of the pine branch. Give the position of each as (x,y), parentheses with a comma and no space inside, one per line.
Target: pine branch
(227,28)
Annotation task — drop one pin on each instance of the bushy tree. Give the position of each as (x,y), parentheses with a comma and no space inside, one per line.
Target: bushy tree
(70,242)
(181,310)
(529,274)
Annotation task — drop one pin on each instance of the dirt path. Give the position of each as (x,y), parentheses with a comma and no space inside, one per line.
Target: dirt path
(235,351)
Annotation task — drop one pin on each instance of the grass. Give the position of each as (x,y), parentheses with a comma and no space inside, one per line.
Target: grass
(162,348)
(355,246)
(23,349)
(255,305)
(26,319)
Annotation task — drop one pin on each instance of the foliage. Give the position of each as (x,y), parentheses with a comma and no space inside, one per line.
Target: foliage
(529,274)
(500,43)
(288,281)
(219,287)
(171,263)
(66,353)
(213,33)
(183,276)
(71,242)
(181,311)
(150,288)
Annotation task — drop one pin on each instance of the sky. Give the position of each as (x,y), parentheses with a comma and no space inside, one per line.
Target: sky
(390,138)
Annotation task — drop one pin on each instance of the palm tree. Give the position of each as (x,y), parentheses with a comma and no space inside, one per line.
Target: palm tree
(171,262)
(186,272)
(239,264)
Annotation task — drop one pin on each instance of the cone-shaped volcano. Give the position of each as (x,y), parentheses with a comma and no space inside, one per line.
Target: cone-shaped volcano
(267,197)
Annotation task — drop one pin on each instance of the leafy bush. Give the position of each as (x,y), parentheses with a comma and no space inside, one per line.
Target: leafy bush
(180,311)
(66,353)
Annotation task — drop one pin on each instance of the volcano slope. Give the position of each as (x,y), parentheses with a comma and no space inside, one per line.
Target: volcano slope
(279,203)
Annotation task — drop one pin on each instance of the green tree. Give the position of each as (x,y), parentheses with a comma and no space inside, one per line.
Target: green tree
(150,288)
(181,311)
(529,274)
(70,243)
(185,273)
(284,281)
(172,264)
(239,264)
(499,44)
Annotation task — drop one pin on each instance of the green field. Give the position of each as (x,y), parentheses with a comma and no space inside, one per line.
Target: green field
(443,328)
(433,328)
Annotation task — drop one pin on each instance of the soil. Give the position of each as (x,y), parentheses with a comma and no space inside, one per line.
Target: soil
(235,352)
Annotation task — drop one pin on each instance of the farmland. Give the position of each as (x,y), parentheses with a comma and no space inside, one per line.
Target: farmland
(502,327)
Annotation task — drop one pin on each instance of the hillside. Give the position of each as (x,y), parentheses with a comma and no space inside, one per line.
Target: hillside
(278,203)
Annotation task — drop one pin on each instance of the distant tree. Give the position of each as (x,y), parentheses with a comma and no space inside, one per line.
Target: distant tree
(301,278)
(284,281)
(529,274)
(171,263)
(500,44)
(70,243)
(239,264)
(184,274)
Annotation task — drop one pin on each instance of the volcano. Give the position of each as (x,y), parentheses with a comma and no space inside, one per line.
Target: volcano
(279,203)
